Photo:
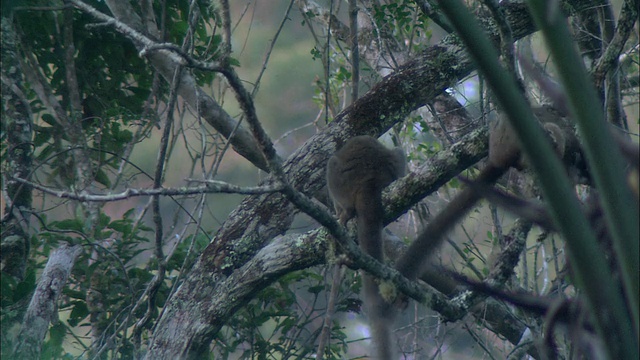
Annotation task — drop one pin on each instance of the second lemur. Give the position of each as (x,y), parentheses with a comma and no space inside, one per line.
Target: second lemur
(356,176)
(504,153)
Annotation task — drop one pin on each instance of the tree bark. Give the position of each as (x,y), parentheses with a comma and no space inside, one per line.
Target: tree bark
(43,308)
(189,321)
(17,120)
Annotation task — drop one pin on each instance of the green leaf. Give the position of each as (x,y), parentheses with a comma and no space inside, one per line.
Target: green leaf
(102,178)
(7,285)
(234,62)
(68,224)
(78,313)
(26,287)
(49,119)
(74,294)
(316,289)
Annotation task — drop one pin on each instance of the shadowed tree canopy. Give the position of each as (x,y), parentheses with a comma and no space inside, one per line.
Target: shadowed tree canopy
(164,191)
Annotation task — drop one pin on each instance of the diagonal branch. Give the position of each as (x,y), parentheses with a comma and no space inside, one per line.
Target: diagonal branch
(166,62)
(184,330)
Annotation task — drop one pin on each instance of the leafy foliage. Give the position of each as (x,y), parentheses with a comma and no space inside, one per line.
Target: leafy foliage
(97,105)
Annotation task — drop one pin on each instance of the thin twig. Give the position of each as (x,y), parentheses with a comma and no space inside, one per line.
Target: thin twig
(212,186)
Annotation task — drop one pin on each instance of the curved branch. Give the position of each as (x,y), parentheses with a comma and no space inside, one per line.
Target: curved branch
(184,328)
(166,62)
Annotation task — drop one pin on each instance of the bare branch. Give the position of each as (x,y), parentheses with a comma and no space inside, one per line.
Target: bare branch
(212,186)
(165,62)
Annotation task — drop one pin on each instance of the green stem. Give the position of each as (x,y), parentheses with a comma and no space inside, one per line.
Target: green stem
(589,266)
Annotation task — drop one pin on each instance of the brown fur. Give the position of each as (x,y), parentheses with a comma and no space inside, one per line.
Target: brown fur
(356,176)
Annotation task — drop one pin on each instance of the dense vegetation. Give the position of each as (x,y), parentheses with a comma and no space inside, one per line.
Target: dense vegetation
(147,213)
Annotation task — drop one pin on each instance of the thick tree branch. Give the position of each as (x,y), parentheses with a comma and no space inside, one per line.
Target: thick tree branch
(428,178)
(127,23)
(259,218)
(43,307)
(628,17)
(17,121)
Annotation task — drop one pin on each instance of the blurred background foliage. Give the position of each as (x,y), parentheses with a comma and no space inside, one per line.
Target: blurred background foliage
(122,113)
